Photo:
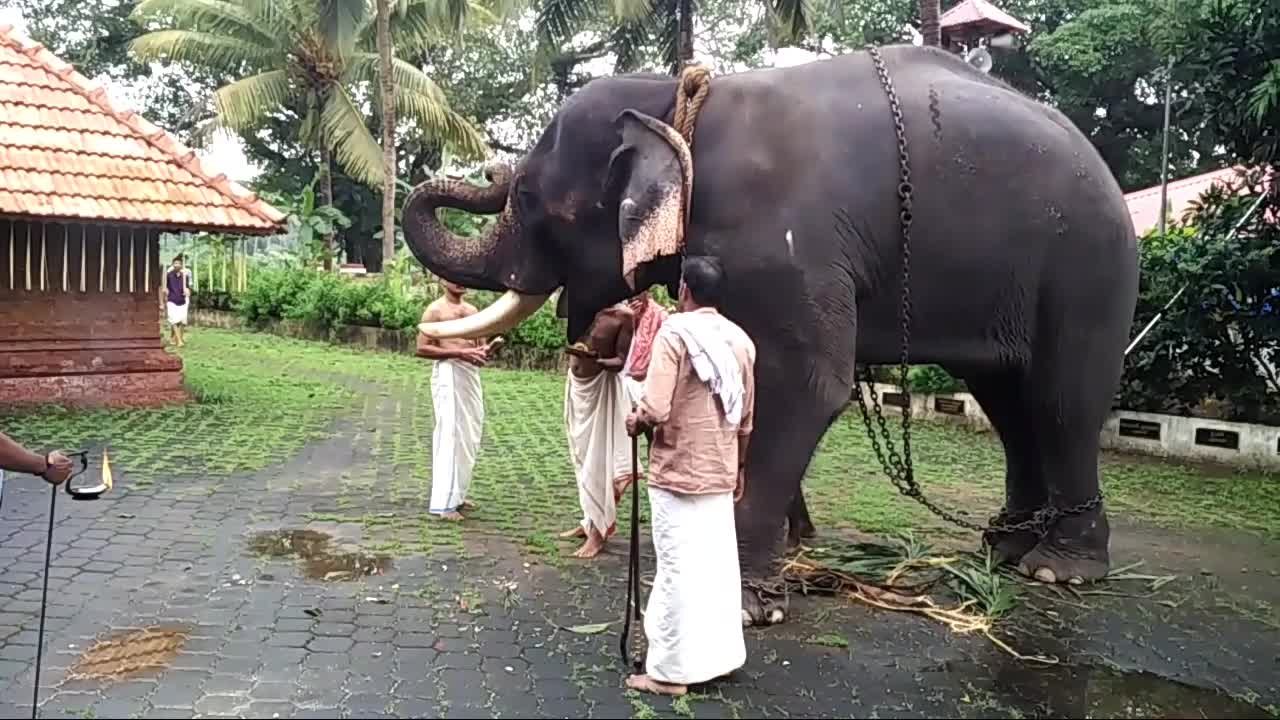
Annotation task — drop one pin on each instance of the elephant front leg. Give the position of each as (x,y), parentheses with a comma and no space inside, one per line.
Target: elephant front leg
(799,526)
(789,424)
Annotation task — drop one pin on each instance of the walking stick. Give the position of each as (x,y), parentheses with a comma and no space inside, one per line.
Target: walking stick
(633,567)
(80,493)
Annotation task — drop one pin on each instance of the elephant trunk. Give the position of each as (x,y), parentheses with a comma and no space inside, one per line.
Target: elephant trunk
(469,261)
(473,262)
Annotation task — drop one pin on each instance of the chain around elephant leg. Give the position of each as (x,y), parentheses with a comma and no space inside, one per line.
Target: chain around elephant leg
(764,602)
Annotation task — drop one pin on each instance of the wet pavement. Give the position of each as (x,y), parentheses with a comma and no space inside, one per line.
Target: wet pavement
(184,597)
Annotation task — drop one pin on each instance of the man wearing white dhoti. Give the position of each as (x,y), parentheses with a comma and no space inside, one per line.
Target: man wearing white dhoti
(457,400)
(595,415)
(699,398)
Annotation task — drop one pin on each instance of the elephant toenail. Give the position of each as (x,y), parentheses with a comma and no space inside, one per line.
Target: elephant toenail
(775,616)
(746,619)
(1024,569)
(1077,580)
(1045,575)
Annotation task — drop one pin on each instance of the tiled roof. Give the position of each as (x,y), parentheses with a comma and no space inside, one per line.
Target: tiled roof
(980,13)
(1144,205)
(66,153)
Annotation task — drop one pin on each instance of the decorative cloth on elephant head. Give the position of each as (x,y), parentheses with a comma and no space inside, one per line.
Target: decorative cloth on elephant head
(659,173)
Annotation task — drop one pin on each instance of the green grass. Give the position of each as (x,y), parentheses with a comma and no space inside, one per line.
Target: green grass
(263,398)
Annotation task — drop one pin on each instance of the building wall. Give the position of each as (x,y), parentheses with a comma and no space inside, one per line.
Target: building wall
(79,317)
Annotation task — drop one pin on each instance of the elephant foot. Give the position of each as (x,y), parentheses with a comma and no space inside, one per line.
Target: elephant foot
(762,607)
(1009,547)
(1074,551)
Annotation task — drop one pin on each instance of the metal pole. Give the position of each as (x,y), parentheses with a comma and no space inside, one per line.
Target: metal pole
(44,600)
(1164,150)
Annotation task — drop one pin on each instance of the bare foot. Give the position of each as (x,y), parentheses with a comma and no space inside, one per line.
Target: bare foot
(646,684)
(451,516)
(592,547)
(576,532)
(468,505)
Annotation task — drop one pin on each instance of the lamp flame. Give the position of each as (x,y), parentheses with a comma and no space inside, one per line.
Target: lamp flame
(106,469)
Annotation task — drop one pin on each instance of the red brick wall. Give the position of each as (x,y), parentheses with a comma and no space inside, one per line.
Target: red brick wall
(97,347)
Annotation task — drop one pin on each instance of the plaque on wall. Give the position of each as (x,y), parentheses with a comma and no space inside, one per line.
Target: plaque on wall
(950,406)
(1210,437)
(1142,429)
(894,399)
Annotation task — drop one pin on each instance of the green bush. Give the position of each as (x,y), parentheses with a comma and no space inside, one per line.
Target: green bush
(1219,343)
(932,380)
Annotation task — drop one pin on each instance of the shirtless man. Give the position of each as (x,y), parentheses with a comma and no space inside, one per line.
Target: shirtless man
(457,401)
(596,405)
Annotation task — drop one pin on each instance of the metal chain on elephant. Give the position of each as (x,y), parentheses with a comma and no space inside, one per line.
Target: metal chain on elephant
(899,468)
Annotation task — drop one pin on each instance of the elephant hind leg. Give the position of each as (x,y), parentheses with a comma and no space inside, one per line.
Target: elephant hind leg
(1074,380)
(1004,399)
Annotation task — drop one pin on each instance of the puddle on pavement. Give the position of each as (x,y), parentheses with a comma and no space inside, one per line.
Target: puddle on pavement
(129,653)
(317,556)
(1094,691)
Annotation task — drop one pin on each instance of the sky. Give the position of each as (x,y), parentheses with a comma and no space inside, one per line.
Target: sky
(225,153)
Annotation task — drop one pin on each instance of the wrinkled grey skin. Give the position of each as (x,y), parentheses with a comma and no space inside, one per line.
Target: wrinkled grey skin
(1024,267)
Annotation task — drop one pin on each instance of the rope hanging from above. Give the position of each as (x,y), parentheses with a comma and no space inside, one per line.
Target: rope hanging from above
(695,84)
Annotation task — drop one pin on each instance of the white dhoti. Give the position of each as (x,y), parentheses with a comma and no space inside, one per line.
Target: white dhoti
(694,617)
(176,314)
(458,404)
(634,388)
(595,419)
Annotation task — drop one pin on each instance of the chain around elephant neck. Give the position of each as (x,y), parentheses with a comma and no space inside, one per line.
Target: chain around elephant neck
(900,469)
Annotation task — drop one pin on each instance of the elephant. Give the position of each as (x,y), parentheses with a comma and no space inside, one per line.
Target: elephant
(1023,262)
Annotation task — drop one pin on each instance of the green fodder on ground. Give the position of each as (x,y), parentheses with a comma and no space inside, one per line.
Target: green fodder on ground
(261,399)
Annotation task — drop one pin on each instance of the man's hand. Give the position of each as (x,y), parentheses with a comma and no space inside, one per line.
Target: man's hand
(635,423)
(59,468)
(741,485)
(476,356)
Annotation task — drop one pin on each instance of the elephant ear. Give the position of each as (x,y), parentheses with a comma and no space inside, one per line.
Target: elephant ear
(651,179)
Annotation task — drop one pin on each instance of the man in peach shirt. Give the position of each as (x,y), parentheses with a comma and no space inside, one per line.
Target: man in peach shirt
(699,398)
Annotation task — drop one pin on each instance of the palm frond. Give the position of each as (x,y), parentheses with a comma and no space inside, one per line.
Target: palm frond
(340,22)
(425,22)
(667,35)
(243,104)
(349,139)
(628,41)
(216,17)
(630,10)
(793,18)
(419,99)
(559,19)
(281,16)
(218,52)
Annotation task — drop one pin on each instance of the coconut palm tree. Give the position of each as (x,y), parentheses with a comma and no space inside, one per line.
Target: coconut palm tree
(930,31)
(668,24)
(315,58)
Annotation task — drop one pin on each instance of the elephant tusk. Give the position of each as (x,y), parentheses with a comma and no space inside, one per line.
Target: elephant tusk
(505,313)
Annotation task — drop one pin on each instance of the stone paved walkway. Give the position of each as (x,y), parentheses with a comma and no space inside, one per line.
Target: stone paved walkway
(490,622)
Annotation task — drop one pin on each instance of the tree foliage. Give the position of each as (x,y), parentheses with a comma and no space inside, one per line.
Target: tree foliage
(311,58)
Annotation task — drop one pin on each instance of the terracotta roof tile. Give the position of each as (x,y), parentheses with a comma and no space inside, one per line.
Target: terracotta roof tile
(1144,205)
(66,153)
(980,13)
